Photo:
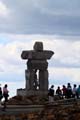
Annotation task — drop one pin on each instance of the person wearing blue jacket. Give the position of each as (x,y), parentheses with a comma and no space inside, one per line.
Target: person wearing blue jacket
(78,92)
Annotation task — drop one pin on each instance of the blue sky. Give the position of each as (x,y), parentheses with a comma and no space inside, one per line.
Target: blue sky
(55,23)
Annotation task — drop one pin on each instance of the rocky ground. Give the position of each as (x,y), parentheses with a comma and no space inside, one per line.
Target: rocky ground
(59,110)
(19,100)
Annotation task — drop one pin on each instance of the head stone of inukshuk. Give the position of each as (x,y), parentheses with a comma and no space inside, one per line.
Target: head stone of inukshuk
(37,73)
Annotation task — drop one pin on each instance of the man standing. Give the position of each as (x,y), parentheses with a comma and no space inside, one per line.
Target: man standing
(51,94)
(5,95)
(1,96)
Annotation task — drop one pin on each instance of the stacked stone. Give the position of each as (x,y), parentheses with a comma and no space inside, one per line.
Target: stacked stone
(37,64)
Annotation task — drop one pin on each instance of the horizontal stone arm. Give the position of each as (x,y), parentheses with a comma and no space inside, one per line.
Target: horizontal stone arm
(37,55)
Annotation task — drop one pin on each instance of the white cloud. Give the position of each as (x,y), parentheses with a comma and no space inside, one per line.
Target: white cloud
(59,12)
(40,17)
(3,10)
(64,75)
(13,86)
(58,8)
(67,53)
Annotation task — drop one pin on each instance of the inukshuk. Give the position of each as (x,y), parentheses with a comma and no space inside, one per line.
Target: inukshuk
(37,73)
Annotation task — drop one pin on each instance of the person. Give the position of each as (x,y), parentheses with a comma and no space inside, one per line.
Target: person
(1,96)
(78,92)
(5,96)
(74,91)
(51,94)
(5,92)
(69,90)
(59,92)
(64,91)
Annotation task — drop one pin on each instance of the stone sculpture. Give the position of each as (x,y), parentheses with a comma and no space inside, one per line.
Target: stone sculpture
(37,61)
(36,73)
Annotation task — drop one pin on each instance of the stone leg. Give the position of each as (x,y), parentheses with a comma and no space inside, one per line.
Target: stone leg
(32,80)
(27,75)
(43,80)
(35,81)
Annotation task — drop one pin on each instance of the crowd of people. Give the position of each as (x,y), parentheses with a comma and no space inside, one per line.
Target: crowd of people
(4,94)
(64,92)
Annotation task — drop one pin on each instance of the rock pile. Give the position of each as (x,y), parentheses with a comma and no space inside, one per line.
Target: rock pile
(27,100)
(50,112)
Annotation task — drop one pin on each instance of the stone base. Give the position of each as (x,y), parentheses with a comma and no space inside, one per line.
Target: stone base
(24,92)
